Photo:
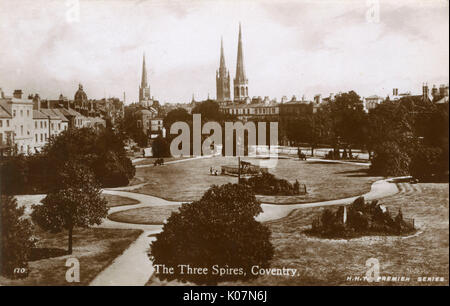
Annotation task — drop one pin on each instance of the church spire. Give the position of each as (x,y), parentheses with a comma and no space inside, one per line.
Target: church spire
(144,74)
(222,67)
(240,81)
(222,78)
(240,71)
(144,89)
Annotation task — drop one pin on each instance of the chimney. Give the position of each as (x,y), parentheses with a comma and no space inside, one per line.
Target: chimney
(425,91)
(37,102)
(17,94)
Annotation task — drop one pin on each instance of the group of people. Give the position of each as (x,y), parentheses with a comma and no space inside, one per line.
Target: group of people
(213,171)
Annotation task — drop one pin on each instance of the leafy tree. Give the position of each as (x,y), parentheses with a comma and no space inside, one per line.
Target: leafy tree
(178,114)
(219,229)
(103,153)
(78,203)
(17,241)
(160,147)
(390,160)
(349,118)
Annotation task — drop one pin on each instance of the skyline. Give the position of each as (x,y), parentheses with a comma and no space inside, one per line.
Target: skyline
(285,53)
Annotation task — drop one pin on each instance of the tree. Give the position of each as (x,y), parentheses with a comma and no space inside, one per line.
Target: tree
(102,152)
(17,242)
(220,230)
(78,203)
(178,114)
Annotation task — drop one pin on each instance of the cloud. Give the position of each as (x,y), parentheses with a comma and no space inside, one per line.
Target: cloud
(290,47)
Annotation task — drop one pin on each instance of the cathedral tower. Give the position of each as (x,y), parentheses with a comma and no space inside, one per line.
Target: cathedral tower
(240,81)
(222,79)
(144,88)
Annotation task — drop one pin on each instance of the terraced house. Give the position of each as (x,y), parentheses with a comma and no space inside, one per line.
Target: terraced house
(26,124)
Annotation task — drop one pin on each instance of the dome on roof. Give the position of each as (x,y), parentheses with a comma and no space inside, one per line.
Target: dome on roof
(80,95)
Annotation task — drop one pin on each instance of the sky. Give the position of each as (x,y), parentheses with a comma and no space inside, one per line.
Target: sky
(291,47)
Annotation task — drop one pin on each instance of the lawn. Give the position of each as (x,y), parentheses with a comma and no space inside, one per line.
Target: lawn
(330,262)
(145,215)
(115,200)
(187,181)
(95,248)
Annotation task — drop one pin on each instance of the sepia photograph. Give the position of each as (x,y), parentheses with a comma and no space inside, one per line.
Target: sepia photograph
(207,144)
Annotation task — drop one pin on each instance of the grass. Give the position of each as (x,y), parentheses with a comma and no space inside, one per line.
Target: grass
(188,181)
(115,200)
(145,215)
(330,262)
(95,248)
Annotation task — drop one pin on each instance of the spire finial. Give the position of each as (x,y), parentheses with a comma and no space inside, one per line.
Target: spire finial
(240,71)
(144,73)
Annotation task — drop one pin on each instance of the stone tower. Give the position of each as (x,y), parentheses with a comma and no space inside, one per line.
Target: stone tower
(240,81)
(222,79)
(144,88)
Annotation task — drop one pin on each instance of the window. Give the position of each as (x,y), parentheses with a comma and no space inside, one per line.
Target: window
(53,126)
(35,124)
(21,113)
(14,113)
(42,139)
(36,137)
(1,123)
(21,130)
(28,113)
(45,124)
(59,126)
(41,124)
(7,123)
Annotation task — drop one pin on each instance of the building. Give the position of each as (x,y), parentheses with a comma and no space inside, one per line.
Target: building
(222,80)
(371,102)
(269,110)
(240,81)
(21,112)
(26,125)
(6,128)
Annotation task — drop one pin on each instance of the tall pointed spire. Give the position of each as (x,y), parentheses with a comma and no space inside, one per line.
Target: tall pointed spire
(222,78)
(240,81)
(240,71)
(222,67)
(144,74)
(144,89)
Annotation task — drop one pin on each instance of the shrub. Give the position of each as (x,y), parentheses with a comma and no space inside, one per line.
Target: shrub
(268,184)
(362,219)
(219,229)
(390,160)
(427,162)
(16,238)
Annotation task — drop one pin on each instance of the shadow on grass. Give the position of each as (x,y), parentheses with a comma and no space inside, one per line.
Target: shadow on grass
(355,173)
(44,253)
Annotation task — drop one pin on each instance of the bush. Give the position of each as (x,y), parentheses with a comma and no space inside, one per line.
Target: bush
(362,219)
(390,160)
(427,163)
(218,230)
(16,238)
(268,184)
